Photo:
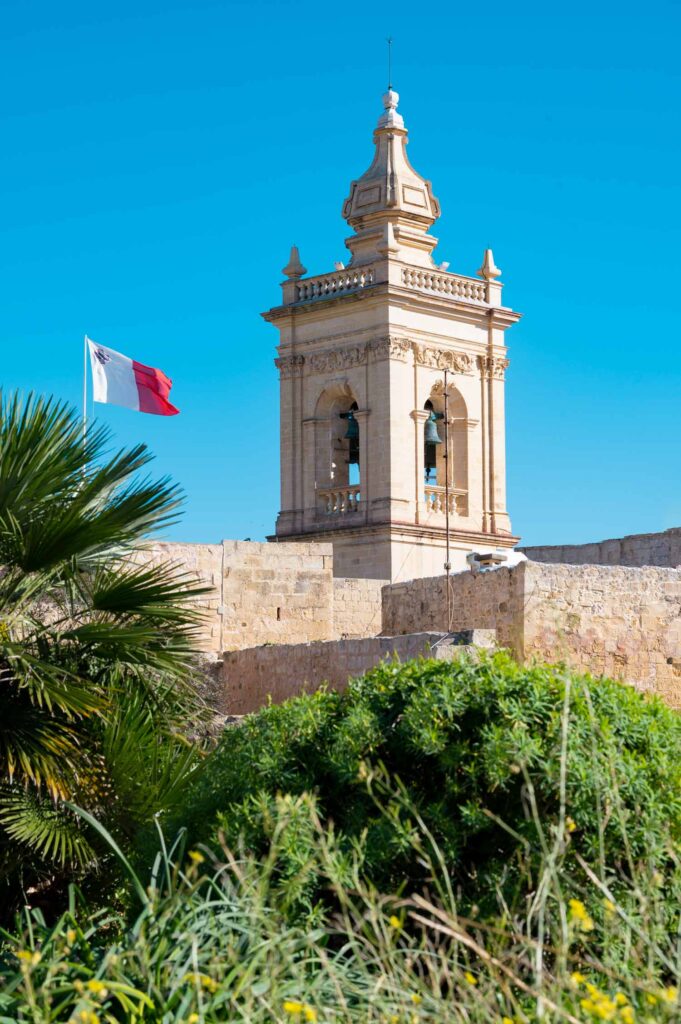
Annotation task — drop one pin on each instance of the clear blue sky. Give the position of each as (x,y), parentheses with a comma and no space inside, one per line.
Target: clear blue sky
(159,158)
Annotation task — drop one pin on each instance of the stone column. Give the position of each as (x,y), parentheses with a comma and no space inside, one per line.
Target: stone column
(290,369)
(419,417)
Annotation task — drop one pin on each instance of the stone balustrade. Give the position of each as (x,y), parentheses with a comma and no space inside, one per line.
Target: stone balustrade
(336,501)
(435,500)
(466,288)
(339,283)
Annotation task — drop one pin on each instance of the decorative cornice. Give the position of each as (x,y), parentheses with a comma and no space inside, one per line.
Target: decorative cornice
(290,366)
(442,359)
(493,366)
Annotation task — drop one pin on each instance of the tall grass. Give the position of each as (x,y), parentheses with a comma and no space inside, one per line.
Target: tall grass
(223,935)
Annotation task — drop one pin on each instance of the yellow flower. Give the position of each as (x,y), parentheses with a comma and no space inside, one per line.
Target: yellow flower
(197,857)
(609,907)
(506,1020)
(71,936)
(470,978)
(570,824)
(651,999)
(96,986)
(297,1009)
(671,994)
(577,978)
(193,1018)
(394,922)
(627,1015)
(621,999)
(579,916)
(415,998)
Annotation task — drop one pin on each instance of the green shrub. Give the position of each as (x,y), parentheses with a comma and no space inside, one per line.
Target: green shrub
(213,942)
(494,759)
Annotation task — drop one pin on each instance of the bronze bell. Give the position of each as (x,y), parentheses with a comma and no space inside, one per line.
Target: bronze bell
(352,437)
(431,439)
(431,433)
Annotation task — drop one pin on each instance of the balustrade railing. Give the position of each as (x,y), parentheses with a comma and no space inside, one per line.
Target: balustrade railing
(339,283)
(466,288)
(435,500)
(335,501)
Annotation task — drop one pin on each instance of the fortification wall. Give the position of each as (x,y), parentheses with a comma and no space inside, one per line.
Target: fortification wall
(356,607)
(251,678)
(261,593)
(491,600)
(610,620)
(272,593)
(637,549)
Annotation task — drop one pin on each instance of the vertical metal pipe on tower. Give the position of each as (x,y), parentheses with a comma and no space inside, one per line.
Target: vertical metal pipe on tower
(448,564)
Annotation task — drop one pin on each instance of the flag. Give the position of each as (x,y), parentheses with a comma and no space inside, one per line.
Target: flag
(118,380)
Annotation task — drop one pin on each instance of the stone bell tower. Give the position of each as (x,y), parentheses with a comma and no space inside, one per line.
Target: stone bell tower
(362,355)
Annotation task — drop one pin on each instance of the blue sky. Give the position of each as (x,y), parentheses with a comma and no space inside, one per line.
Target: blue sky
(159,158)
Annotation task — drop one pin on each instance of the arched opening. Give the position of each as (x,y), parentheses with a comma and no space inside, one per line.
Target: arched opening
(337,451)
(435,440)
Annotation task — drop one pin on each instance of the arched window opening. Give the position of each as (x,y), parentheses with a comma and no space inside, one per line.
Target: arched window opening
(433,446)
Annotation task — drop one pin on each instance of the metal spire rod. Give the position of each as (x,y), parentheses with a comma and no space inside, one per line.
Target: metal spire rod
(390,62)
(448,564)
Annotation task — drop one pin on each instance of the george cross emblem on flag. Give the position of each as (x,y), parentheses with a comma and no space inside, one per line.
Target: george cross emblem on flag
(101,355)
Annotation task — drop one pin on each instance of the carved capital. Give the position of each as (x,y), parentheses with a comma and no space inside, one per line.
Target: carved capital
(290,366)
(493,367)
(442,359)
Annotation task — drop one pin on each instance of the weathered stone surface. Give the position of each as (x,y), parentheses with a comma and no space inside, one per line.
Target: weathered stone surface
(608,620)
(272,593)
(252,677)
(637,549)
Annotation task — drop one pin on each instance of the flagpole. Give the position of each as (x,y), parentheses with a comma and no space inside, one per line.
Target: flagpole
(84,388)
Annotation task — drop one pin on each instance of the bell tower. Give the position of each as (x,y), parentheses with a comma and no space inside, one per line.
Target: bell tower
(363,352)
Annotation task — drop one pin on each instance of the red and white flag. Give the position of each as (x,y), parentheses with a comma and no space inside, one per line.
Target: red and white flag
(118,380)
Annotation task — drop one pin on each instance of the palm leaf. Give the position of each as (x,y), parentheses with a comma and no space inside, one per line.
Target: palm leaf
(49,830)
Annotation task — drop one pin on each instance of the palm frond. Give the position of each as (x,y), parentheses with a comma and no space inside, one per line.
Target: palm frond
(50,830)
(148,770)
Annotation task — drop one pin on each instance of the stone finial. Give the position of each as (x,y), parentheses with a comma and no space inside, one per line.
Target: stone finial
(294,268)
(391,119)
(488,270)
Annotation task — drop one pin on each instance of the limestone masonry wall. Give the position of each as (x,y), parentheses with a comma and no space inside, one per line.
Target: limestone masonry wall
(262,593)
(492,600)
(250,678)
(638,549)
(356,607)
(609,620)
(613,621)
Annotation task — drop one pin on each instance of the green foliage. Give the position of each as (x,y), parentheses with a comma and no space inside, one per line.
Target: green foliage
(213,942)
(95,650)
(489,754)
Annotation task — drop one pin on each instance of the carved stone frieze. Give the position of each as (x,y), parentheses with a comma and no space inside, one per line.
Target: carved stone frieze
(390,348)
(443,359)
(290,366)
(338,359)
(493,366)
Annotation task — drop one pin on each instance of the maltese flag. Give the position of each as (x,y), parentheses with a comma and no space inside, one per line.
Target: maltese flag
(118,380)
